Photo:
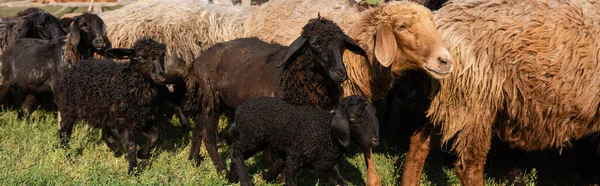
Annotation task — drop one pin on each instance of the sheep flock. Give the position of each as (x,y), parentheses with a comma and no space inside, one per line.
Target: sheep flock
(311,82)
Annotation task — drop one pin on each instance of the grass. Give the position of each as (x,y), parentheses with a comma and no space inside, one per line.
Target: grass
(30,155)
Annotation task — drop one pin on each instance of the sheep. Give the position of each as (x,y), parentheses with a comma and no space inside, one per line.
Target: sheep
(31,65)
(115,96)
(308,137)
(186,27)
(526,71)
(30,23)
(229,73)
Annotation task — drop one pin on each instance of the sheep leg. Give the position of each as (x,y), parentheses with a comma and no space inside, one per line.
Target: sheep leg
(372,176)
(210,141)
(420,144)
(291,172)
(238,170)
(472,145)
(197,136)
(274,170)
(129,141)
(65,131)
(332,177)
(111,141)
(3,92)
(28,105)
(182,119)
(152,134)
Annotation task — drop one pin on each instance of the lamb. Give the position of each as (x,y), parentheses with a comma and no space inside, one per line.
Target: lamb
(32,65)
(527,72)
(30,23)
(229,73)
(123,97)
(309,137)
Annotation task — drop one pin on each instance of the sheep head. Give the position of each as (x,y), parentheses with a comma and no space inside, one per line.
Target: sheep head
(89,31)
(326,42)
(40,25)
(355,118)
(146,55)
(405,33)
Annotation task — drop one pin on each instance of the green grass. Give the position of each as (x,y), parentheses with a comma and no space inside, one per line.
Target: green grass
(30,155)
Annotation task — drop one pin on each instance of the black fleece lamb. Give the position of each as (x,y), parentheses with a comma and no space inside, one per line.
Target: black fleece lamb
(308,137)
(32,65)
(229,73)
(123,97)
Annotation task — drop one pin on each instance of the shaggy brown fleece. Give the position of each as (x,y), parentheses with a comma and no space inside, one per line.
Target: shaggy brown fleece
(526,70)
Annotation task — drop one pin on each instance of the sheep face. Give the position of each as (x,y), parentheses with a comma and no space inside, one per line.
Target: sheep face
(405,33)
(40,25)
(88,29)
(329,55)
(146,55)
(326,42)
(355,118)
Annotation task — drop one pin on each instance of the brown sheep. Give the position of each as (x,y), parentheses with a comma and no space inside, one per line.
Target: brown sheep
(526,71)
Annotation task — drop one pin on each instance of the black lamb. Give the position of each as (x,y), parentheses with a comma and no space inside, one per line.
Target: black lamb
(32,65)
(124,97)
(229,73)
(308,137)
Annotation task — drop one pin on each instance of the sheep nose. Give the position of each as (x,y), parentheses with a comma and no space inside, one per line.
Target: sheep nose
(98,43)
(443,61)
(375,140)
(340,74)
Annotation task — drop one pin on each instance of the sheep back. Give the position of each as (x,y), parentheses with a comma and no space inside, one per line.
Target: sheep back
(186,27)
(531,64)
(105,93)
(30,63)
(240,69)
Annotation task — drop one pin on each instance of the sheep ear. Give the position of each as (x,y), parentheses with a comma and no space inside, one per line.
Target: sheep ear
(119,53)
(25,29)
(292,49)
(74,35)
(353,46)
(340,128)
(385,45)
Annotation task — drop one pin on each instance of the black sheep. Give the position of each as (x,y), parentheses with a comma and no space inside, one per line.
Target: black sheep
(123,97)
(229,73)
(307,136)
(32,65)
(30,23)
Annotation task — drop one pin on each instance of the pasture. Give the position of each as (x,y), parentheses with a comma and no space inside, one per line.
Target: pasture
(30,154)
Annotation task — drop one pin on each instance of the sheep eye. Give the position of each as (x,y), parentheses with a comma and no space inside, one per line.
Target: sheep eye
(401,27)
(353,118)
